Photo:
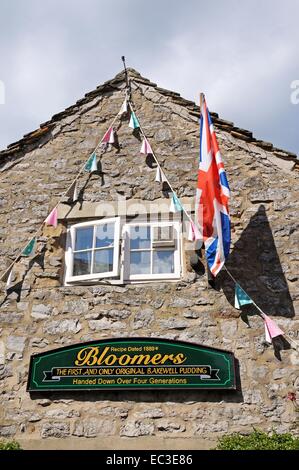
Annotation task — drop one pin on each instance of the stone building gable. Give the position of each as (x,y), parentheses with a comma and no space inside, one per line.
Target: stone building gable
(40,313)
(50,128)
(171,127)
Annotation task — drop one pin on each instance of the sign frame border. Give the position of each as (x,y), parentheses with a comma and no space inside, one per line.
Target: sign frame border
(147,388)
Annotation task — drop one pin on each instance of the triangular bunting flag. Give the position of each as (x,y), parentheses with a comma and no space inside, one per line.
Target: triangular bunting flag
(164,179)
(241,298)
(94,164)
(73,191)
(145,147)
(29,250)
(124,108)
(109,137)
(175,205)
(91,164)
(267,335)
(194,233)
(9,279)
(160,177)
(271,329)
(52,218)
(134,124)
(6,275)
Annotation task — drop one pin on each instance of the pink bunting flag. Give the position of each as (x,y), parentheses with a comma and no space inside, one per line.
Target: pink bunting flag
(52,218)
(109,136)
(194,233)
(271,329)
(145,147)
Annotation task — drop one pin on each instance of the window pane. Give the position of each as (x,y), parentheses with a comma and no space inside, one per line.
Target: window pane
(84,237)
(140,237)
(103,261)
(82,263)
(163,261)
(104,235)
(140,262)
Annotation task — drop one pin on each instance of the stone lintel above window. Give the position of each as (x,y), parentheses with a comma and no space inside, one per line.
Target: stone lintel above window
(84,211)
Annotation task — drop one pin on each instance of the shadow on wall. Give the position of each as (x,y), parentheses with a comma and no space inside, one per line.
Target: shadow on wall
(151,396)
(146,396)
(255,264)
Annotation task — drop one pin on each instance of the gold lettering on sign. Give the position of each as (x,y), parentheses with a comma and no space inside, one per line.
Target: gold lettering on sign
(93,356)
(87,356)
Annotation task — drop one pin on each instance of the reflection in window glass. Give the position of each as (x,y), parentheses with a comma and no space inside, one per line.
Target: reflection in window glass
(103,261)
(140,237)
(163,261)
(140,262)
(84,237)
(82,263)
(104,235)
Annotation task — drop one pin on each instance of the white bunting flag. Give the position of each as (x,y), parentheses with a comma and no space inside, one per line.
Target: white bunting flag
(5,275)
(124,108)
(160,177)
(9,279)
(73,191)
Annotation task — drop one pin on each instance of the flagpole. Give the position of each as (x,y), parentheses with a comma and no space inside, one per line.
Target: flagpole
(201,99)
(129,91)
(210,276)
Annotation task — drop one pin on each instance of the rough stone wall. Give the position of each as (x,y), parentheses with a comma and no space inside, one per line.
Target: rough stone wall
(42,314)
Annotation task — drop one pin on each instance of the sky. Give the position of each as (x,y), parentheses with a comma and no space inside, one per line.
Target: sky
(243,55)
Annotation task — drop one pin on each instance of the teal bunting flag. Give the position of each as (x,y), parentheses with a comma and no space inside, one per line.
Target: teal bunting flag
(241,298)
(30,248)
(134,124)
(175,205)
(91,164)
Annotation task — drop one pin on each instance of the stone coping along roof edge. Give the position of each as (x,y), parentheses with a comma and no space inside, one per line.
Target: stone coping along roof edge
(40,136)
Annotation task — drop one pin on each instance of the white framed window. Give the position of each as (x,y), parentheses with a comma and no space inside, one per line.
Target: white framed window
(93,250)
(152,251)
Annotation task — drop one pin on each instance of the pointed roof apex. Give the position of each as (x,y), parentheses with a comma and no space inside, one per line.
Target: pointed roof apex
(35,138)
(132,74)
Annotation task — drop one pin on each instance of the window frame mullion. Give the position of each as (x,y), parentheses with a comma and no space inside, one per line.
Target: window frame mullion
(69,255)
(92,249)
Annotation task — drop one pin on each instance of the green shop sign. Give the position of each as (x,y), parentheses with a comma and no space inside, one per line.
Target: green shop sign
(132,363)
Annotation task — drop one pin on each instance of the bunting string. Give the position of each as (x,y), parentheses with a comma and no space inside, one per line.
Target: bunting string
(175,206)
(194,233)
(159,166)
(262,314)
(7,271)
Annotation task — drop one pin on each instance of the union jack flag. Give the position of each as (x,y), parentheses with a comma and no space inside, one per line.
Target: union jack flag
(212,196)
